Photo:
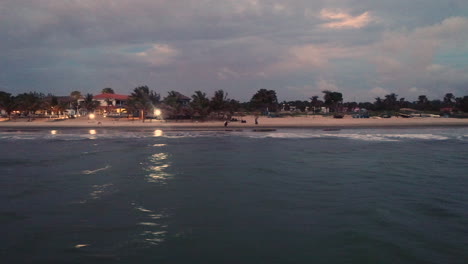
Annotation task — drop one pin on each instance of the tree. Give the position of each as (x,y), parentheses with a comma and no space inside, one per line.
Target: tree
(463,103)
(30,102)
(200,104)
(391,102)
(144,100)
(75,95)
(449,99)
(7,103)
(89,104)
(218,101)
(332,99)
(422,102)
(107,91)
(265,100)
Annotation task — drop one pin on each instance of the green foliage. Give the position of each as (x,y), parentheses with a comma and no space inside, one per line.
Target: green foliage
(219,101)
(332,99)
(89,104)
(264,99)
(143,100)
(7,102)
(30,102)
(200,104)
(107,91)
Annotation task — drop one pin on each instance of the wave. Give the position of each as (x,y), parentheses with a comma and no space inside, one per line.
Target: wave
(96,170)
(368,135)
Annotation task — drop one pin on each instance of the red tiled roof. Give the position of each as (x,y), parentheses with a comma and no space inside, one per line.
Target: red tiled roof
(111,96)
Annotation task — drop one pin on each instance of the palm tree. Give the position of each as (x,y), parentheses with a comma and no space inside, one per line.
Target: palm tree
(75,95)
(390,101)
(143,100)
(200,104)
(89,104)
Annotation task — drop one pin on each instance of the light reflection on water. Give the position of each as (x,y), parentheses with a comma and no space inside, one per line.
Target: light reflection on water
(154,232)
(158,168)
(158,133)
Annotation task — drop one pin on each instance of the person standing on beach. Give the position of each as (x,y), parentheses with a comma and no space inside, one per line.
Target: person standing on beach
(225,123)
(256,120)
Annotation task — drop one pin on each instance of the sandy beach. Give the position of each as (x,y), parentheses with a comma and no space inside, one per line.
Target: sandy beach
(264,122)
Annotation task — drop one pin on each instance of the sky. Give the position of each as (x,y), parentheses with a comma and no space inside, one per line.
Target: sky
(361,48)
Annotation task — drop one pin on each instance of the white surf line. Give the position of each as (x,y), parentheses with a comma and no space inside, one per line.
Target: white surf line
(97,170)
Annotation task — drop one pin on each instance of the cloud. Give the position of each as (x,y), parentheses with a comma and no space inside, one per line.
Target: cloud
(226,73)
(158,54)
(236,45)
(340,19)
(378,92)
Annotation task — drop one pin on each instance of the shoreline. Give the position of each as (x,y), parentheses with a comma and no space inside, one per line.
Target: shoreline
(317,122)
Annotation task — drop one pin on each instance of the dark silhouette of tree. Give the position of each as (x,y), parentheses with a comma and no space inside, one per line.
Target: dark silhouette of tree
(7,103)
(200,104)
(89,104)
(422,103)
(75,96)
(390,102)
(332,99)
(265,100)
(461,103)
(144,100)
(30,102)
(218,101)
(449,99)
(107,90)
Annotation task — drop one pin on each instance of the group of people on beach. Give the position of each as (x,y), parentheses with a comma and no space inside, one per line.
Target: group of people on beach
(243,121)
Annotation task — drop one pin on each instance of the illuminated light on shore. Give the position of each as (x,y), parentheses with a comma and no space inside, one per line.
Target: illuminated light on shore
(158,133)
(91,116)
(53,132)
(157,112)
(92,132)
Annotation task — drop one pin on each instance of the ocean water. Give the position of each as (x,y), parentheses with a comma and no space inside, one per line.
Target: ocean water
(285,196)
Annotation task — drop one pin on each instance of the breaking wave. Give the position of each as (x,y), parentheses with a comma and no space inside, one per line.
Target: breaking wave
(374,135)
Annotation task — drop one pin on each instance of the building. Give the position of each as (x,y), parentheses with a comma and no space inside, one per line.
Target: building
(109,103)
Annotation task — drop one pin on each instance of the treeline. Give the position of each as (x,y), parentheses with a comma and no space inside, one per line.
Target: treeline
(143,101)
(199,105)
(390,103)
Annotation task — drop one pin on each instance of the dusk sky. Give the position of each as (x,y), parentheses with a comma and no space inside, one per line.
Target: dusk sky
(362,48)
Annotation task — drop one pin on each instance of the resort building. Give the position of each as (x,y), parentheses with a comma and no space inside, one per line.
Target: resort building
(109,103)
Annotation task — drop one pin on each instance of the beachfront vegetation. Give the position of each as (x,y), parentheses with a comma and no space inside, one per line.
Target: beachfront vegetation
(108,90)
(143,100)
(144,103)
(264,100)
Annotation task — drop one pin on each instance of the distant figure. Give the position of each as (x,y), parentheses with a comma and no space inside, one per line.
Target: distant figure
(256,120)
(225,123)
(99,123)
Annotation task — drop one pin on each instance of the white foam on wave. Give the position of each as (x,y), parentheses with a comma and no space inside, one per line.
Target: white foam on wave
(417,136)
(282,135)
(364,137)
(354,136)
(96,170)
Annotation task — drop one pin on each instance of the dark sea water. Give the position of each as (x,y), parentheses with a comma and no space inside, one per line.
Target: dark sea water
(289,196)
